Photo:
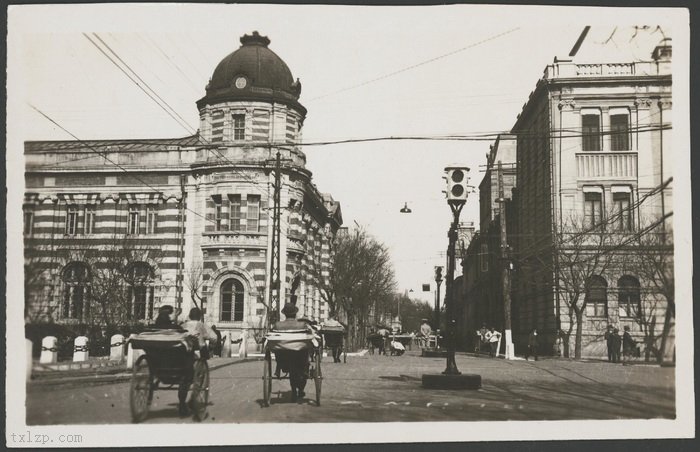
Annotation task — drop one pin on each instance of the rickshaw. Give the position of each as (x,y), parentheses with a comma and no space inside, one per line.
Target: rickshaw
(293,341)
(334,336)
(170,356)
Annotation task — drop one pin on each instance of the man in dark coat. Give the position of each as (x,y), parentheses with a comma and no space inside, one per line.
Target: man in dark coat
(616,343)
(609,341)
(628,346)
(295,362)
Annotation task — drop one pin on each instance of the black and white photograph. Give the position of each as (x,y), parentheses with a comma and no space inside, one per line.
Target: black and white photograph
(241,224)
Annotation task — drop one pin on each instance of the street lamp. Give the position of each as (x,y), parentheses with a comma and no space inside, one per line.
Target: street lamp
(405,208)
(451,377)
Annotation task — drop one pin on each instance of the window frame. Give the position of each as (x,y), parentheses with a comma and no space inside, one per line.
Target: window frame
(592,217)
(236,214)
(238,126)
(253,200)
(628,294)
(133,227)
(90,219)
(594,304)
(591,141)
(151,218)
(233,289)
(622,205)
(619,140)
(72,215)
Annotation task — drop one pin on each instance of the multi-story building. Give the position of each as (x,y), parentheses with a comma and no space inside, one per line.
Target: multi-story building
(481,285)
(184,221)
(592,199)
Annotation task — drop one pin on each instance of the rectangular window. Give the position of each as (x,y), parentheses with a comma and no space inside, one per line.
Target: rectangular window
(253,214)
(28,222)
(235,205)
(590,131)
(218,209)
(132,227)
(89,219)
(239,127)
(623,213)
(619,133)
(151,218)
(593,214)
(72,220)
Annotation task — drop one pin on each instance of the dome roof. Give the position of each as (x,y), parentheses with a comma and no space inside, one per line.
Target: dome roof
(253,72)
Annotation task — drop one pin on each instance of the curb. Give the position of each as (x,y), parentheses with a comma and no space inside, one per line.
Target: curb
(122,375)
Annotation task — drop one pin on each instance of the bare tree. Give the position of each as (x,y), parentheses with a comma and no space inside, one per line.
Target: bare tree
(361,278)
(654,264)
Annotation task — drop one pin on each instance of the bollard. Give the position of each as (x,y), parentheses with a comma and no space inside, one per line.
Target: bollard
(132,355)
(80,349)
(243,347)
(29,359)
(116,348)
(49,350)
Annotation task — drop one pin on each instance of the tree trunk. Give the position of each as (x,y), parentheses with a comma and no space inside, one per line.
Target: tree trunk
(666,331)
(579,335)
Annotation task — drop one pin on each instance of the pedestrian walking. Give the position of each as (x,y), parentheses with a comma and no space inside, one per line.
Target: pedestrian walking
(609,340)
(216,348)
(493,337)
(616,343)
(628,346)
(532,345)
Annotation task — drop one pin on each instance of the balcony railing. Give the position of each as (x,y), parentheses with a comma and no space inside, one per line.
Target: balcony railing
(235,239)
(606,165)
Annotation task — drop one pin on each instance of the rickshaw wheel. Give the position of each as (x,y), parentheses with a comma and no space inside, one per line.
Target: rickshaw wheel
(267,379)
(200,389)
(318,377)
(141,392)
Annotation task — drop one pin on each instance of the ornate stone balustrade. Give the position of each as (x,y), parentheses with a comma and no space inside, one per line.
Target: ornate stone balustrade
(605,165)
(234,239)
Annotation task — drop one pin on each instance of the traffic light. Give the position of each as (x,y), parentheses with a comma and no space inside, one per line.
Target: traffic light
(457,183)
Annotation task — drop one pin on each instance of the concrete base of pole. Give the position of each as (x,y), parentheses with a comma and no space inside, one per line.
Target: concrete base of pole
(462,381)
(510,348)
(433,353)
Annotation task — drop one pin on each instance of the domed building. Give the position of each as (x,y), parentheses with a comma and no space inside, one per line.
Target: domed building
(188,222)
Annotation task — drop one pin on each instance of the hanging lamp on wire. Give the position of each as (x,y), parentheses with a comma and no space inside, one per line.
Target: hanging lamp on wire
(405,208)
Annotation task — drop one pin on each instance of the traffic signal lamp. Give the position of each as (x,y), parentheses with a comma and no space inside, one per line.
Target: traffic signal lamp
(457,180)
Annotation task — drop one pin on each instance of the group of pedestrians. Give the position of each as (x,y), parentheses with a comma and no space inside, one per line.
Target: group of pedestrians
(489,337)
(615,342)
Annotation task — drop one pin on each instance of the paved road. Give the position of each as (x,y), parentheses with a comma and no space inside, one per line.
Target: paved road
(384,389)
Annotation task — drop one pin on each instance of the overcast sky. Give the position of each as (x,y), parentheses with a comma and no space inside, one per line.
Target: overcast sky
(362,74)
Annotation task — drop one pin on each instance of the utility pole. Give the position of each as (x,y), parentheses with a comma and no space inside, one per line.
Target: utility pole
(275,297)
(505,263)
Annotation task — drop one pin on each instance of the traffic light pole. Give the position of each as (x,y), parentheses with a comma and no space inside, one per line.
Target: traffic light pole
(451,368)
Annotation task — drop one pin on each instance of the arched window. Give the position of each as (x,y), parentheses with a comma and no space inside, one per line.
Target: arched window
(232,295)
(139,303)
(76,291)
(628,298)
(596,297)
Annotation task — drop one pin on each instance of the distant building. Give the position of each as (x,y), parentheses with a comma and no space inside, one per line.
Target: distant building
(590,204)
(481,283)
(193,215)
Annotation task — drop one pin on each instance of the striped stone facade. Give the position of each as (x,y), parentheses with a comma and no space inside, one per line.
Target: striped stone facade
(196,212)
